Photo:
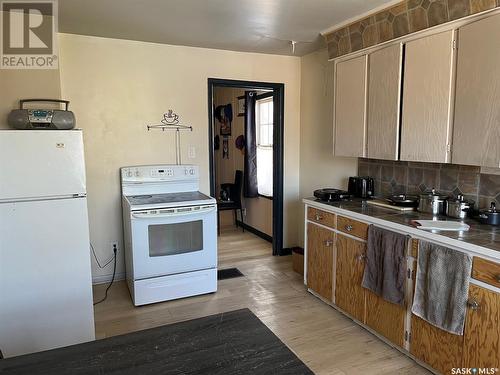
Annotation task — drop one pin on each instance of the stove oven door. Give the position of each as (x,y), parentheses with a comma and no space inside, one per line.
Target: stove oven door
(171,241)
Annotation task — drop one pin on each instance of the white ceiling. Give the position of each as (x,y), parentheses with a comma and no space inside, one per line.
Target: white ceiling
(265,26)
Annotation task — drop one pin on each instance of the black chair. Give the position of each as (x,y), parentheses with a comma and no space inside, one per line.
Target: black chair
(234,191)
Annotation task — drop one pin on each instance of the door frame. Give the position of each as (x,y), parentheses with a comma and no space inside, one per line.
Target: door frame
(279,103)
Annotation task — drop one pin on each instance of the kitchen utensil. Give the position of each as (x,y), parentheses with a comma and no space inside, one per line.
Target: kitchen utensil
(459,207)
(361,187)
(330,195)
(490,216)
(433,202)
(403,200)
(386,204)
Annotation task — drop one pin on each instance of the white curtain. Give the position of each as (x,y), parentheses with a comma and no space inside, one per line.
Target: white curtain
(265,170)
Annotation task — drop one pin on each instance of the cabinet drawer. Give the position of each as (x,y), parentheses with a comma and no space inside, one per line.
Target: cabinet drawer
(352,227)
(321,217)
(486,271)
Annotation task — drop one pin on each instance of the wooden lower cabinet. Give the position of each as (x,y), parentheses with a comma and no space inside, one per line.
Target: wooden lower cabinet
(439,349)
(479,347)
(482,329)
(386,318)
(350,296)
(320,243)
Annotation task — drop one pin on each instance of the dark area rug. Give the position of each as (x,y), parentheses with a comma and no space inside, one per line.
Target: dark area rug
(228,273)
(235,342)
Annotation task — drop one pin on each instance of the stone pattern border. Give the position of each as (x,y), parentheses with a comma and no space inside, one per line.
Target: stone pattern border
(402,19)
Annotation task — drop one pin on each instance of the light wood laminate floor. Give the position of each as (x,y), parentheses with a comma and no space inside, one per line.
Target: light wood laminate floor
(324,339)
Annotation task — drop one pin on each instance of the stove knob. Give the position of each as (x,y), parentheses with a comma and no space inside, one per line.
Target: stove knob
(137,174)
(191,172)
(129,174)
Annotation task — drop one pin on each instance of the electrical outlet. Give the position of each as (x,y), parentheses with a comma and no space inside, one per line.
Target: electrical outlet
(114,245)
(192,152)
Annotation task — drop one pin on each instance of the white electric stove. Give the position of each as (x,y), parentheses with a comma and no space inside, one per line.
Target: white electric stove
(170,233)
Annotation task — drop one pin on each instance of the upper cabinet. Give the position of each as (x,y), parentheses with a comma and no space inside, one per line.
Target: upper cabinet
(427,99)
(350,107)
(435,100)
(476,135)
(384,93)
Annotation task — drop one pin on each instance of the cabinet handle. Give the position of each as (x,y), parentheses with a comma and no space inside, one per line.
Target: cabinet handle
(473,304)
(318,217)
(328,243)
(361,257)
(348,228)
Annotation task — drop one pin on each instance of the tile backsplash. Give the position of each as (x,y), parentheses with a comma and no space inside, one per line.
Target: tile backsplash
(398,177)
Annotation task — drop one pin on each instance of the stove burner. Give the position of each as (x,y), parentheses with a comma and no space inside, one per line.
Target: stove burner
(142,196)
(331,195)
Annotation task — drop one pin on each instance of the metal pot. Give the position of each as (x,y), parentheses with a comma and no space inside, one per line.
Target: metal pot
(433,203)
(490,216)
(459,207)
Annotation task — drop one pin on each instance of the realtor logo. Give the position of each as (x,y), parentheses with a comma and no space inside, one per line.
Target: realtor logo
(29,32)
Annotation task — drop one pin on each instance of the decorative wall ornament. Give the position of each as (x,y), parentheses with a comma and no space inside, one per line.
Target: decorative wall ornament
(171,122)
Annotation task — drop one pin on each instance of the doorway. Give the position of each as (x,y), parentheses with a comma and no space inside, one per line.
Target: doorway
(268,97)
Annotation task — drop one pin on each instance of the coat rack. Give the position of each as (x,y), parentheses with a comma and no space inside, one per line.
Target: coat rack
(170,122)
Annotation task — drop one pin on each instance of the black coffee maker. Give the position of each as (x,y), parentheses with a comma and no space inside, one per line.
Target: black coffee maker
(361,187)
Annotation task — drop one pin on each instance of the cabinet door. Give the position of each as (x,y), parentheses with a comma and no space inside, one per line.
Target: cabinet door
(476,135)
(320,244)
(482,329)
(384,95)
(386,318)
(439,349)
(349,294)
(427,99)
(350,107)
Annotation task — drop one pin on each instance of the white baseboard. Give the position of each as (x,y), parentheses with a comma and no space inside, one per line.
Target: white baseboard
(101,279)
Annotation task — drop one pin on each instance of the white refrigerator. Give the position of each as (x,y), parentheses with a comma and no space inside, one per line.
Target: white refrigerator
(45,274)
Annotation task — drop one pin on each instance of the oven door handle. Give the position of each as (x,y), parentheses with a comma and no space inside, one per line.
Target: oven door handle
(147,215)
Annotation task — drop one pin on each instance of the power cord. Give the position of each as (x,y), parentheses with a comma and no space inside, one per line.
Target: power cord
(97,259)
(112,278)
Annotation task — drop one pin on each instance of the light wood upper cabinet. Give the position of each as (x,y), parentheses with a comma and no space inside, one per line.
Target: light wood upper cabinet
(427,99)
(349,294)
(476,135)
(384,93)
(350,107)
(320,243)
(482,329)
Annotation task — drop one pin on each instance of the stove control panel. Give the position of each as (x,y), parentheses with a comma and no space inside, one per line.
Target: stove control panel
(160,173)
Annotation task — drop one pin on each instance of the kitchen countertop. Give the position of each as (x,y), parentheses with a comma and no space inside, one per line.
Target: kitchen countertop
(480,238)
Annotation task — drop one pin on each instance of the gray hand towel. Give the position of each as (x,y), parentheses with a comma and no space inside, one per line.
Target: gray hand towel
(442,287)
(385,268)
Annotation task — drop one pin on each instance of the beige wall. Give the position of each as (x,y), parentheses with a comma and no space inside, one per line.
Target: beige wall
(259,211)
(318,167)
(18,84)
(118,86)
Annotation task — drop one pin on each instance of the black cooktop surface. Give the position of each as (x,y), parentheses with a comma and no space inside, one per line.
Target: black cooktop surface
(184,197)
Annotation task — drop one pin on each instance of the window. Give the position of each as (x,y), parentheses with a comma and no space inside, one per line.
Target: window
(265,122)
(265,127)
